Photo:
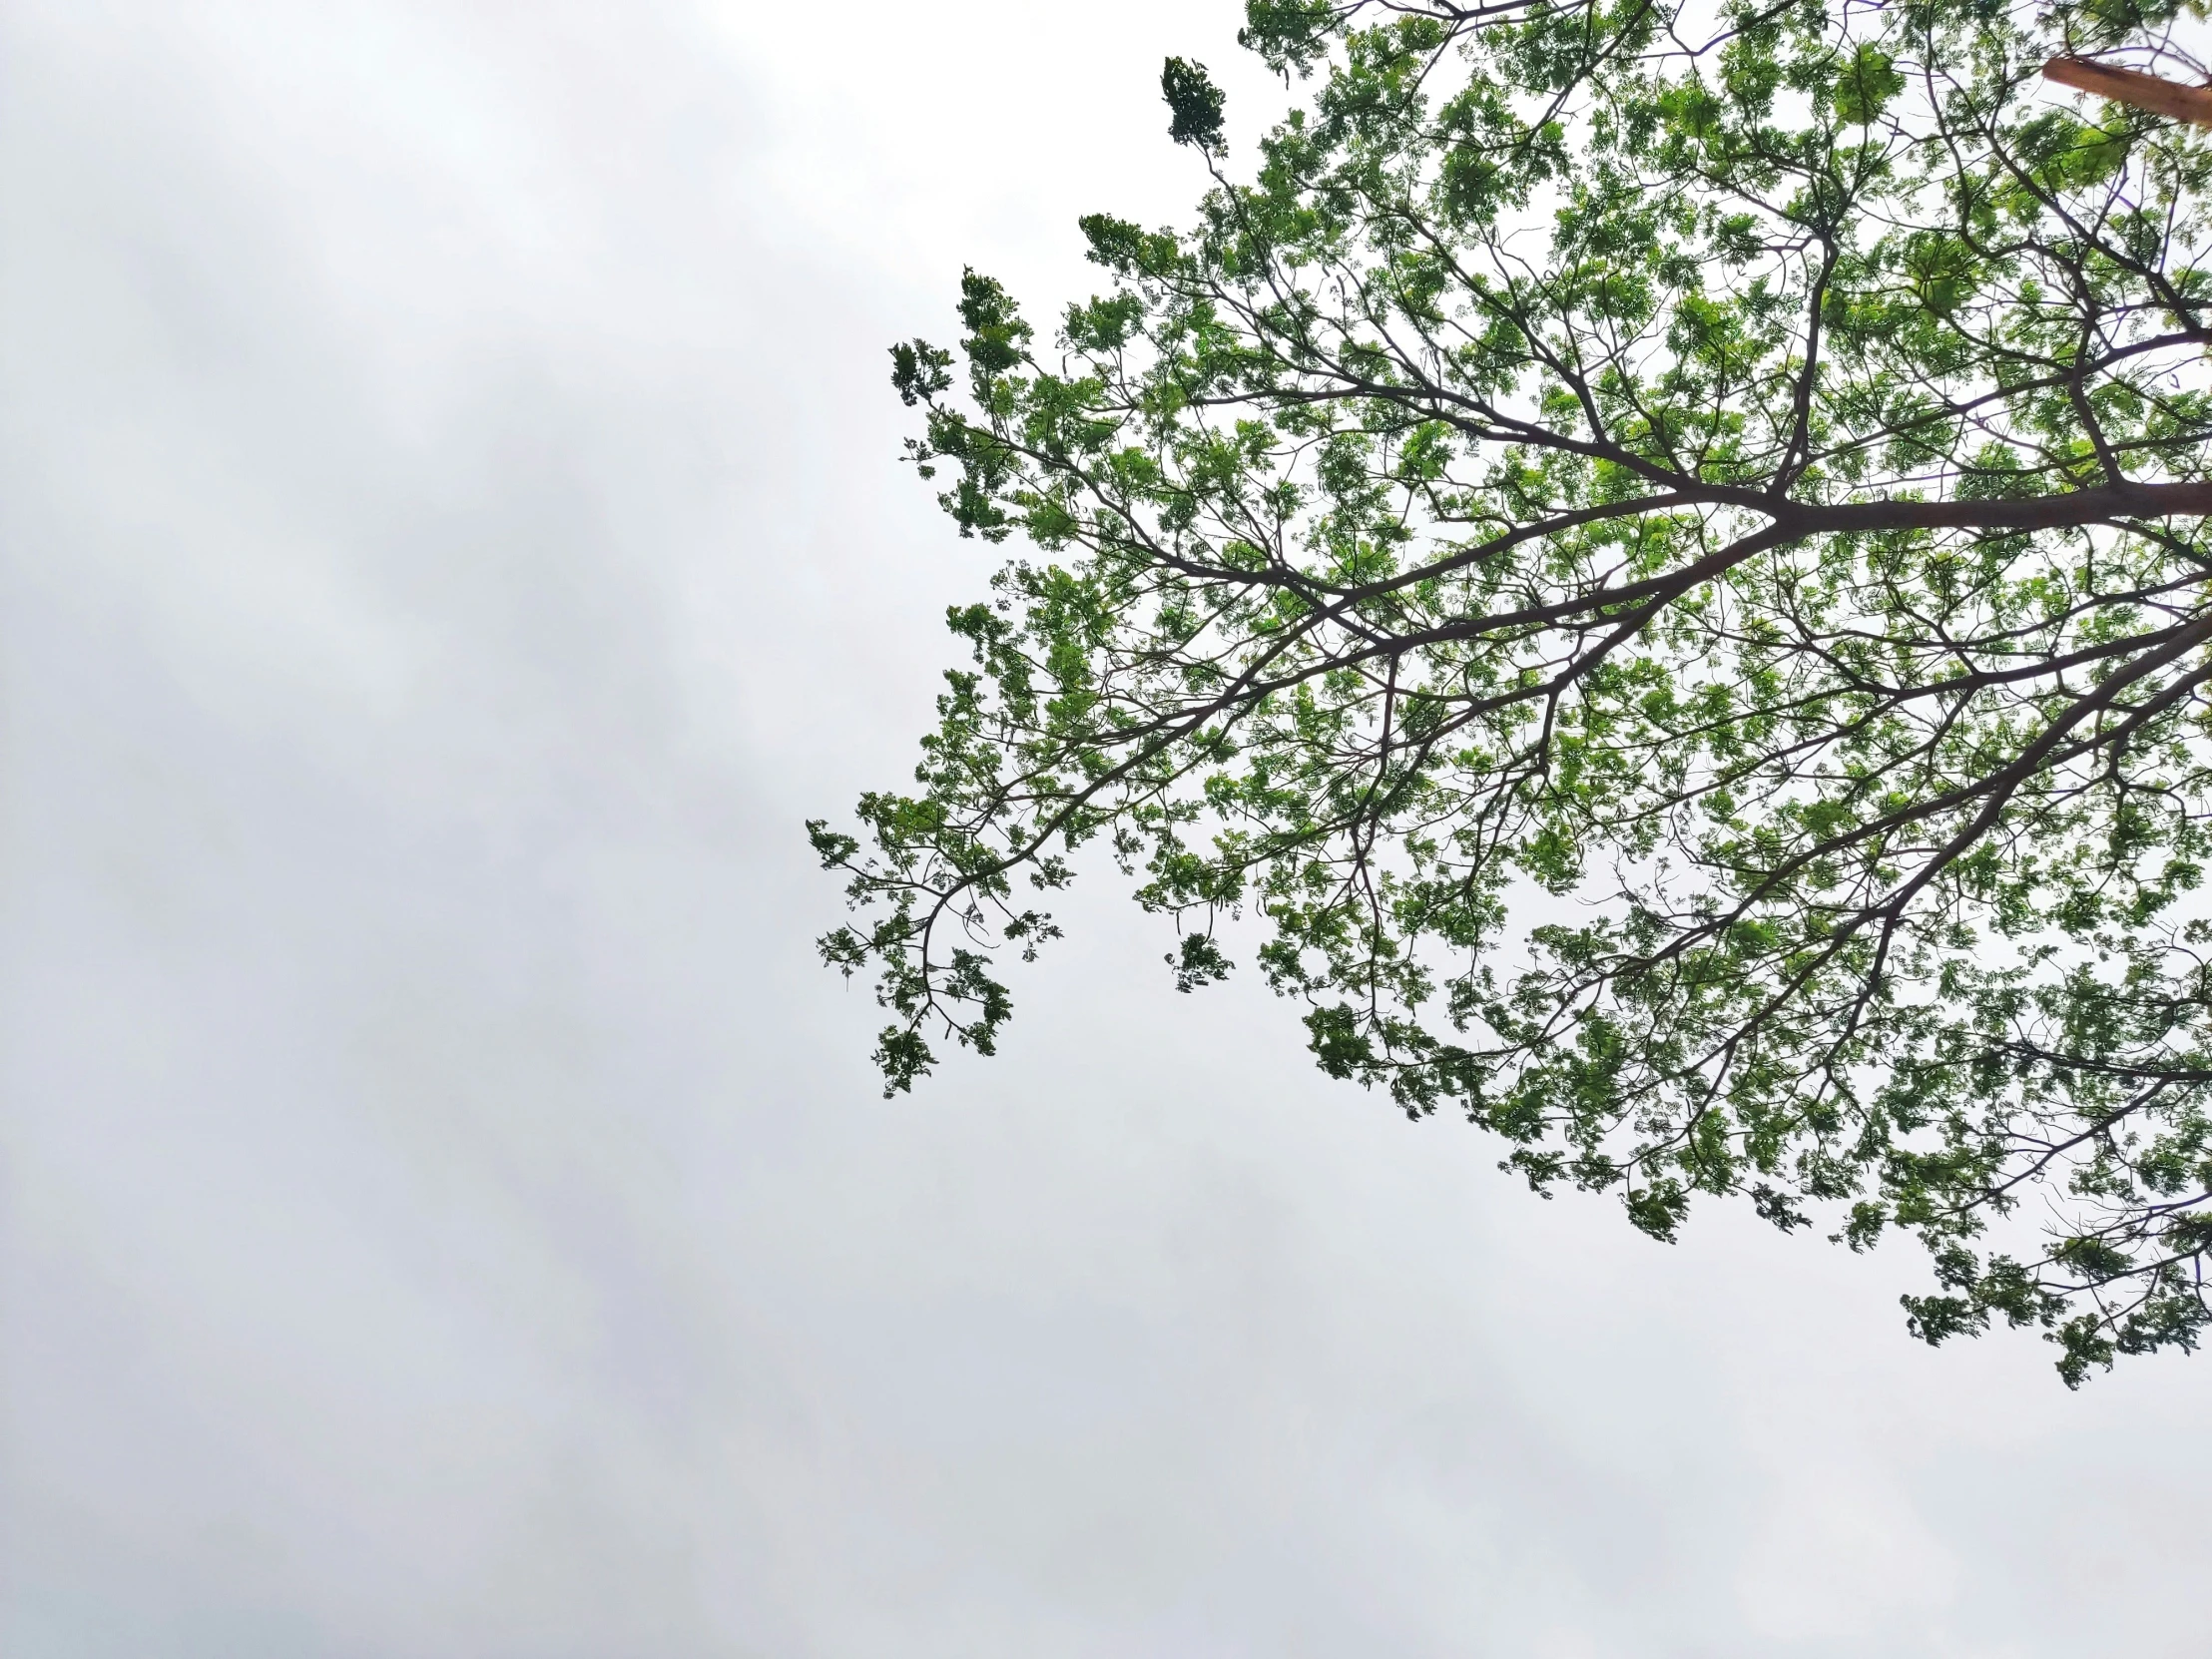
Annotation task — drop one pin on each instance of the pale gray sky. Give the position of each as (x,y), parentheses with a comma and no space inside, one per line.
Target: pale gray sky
(451,535)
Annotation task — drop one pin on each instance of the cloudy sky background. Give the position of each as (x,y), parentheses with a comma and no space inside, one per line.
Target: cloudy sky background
(451,535)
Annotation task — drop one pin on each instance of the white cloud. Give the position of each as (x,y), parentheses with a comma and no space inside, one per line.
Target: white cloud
(450,533)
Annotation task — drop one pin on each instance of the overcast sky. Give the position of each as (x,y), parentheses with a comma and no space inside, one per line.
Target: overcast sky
(451,534)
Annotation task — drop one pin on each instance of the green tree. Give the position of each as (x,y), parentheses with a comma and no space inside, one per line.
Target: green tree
(1655,552)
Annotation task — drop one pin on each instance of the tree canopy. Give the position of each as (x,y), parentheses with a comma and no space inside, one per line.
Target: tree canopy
(1653,552)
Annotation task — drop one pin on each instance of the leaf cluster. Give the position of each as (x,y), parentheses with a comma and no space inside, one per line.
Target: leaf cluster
(1654,556)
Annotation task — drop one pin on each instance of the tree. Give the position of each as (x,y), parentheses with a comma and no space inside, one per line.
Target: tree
(1654,552)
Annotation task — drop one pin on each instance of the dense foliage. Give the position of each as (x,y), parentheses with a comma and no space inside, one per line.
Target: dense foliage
(1656,552)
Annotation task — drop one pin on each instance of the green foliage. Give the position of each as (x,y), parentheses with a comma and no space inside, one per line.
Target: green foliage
(1659,567)
(1195,103)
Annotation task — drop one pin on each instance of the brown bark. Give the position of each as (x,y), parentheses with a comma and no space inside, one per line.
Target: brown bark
(2037,512)
(2132,85)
